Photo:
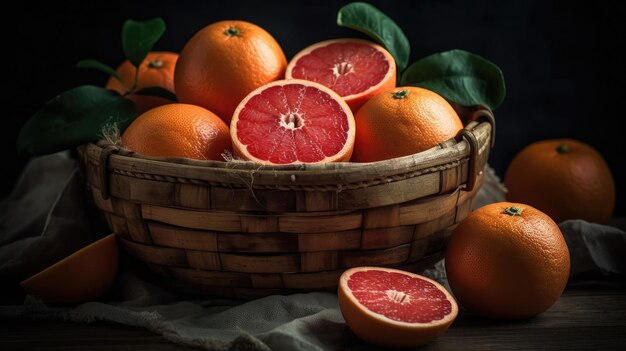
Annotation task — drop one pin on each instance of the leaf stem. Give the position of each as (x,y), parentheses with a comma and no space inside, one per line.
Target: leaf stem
(513,211)
(135,83)
(562,149)
(400,94)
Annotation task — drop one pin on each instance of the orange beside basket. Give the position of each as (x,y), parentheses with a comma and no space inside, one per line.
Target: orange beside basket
(243,230)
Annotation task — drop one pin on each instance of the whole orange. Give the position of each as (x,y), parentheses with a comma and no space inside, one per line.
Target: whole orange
(178,130)
(156,70)
(224,62)
(507,260)
(565,178)
(401,122)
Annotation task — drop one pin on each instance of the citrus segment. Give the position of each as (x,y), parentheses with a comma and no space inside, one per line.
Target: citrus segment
(85,275)
(394,308)
(355,69)
(293,121)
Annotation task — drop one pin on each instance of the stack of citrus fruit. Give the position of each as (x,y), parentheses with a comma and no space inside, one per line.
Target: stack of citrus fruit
(338,96)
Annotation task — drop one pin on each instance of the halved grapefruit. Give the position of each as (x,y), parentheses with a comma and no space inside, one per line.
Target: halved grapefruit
(293,121)
(82,276)
(355,69)
(393,308)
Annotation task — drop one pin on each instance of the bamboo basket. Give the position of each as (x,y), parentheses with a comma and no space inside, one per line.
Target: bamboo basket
(242,230)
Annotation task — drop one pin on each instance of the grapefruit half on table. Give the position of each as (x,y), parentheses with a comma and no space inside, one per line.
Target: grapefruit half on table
(393,308)
(355,69)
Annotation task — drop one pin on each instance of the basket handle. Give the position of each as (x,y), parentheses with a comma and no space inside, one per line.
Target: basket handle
(105,190)
(482,113)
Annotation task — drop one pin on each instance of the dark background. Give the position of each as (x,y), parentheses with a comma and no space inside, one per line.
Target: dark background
(564,77)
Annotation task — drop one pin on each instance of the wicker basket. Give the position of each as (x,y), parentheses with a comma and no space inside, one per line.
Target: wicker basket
(238,229)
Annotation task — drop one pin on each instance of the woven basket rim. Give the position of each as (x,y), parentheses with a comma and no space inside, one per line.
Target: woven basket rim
(327,176)
(237,164)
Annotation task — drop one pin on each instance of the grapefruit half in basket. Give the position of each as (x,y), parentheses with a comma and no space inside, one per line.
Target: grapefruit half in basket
(355,69)
(393,308)
(293,121)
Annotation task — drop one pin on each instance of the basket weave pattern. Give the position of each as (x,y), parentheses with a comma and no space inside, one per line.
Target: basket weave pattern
(240,229)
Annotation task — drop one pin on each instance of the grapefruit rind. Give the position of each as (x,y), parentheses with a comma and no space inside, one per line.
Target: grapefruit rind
(343,155)
(85,275)
(381,330)
(355,101)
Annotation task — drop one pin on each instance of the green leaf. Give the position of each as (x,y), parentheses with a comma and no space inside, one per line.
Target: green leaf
(95,64)
(157,91)
(74,118)
(371,21)
(459,76)
(138,38)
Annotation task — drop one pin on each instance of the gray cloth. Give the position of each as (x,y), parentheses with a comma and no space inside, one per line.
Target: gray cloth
(45,219)
(595,247)
(296,322)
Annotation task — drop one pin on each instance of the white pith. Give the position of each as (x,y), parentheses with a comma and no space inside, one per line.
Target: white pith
(342,69)
(398,296)
(291,121)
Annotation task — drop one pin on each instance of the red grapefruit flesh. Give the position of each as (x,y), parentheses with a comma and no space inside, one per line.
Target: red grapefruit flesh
(393,308)
(293,121)
(355,69)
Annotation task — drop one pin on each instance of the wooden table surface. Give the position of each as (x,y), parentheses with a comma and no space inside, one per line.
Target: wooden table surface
(589,316)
